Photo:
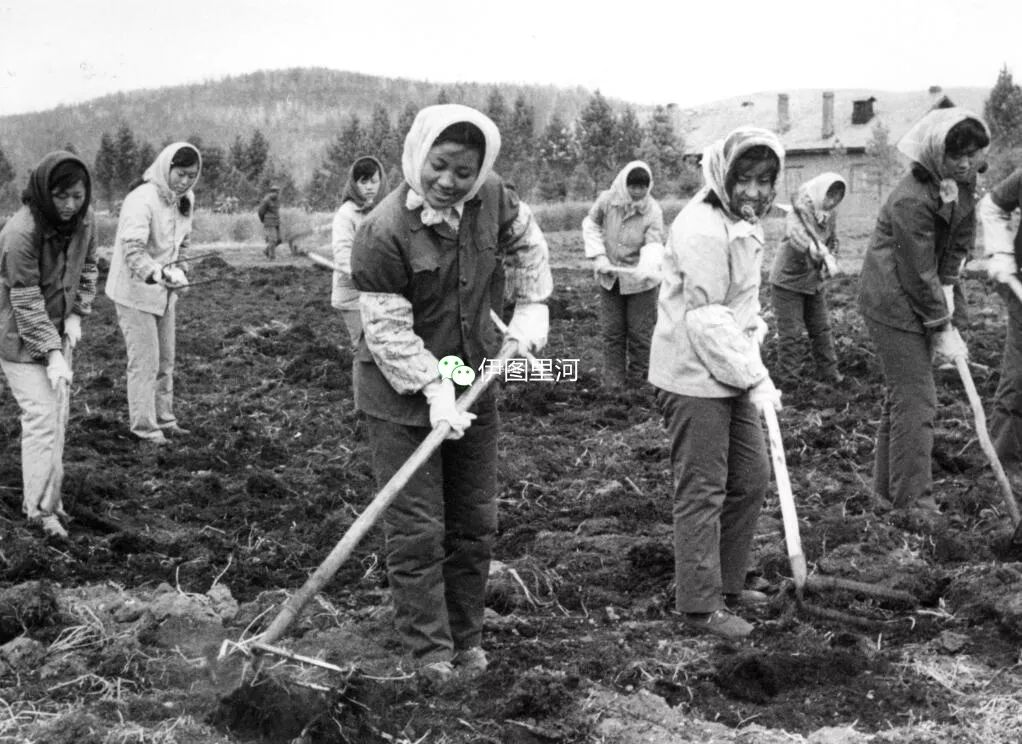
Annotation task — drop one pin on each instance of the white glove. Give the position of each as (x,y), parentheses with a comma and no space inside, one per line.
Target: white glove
(1001,267)
(830,263)
(765,394)
(949,346)
(949,297)
(601,265)
(651,257)
(529,326)
(760,331)
(443,407)
(57,369)
(73,329)
(173,278)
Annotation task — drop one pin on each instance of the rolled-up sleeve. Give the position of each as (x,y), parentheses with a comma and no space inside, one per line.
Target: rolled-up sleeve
(89,277)
(378,271)
(526,257)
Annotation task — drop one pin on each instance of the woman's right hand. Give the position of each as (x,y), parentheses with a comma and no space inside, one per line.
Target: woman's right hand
(57,369)
(601,265)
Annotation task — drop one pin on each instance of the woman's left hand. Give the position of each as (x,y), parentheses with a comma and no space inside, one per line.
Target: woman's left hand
(73,329)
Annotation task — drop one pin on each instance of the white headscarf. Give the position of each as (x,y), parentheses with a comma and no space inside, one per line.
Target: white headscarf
(719,158)
(924,142)
(428,125)
(619,187)
(158,173)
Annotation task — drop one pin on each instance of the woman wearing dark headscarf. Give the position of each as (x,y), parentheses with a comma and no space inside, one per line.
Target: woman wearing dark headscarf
(47,284)
(366,182)
(705,360)
(153,232)
(908,287)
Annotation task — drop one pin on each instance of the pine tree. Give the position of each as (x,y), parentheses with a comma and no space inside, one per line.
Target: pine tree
(404,125)
(105,168)
(6,170)
(442,96)
(558,153)
(214,163)
(883,157)
(663,151)
(628,137)
(381,140)
(257,154)
(126,170)
(146,155)
(236,156)
(1003,111)
(597,140)
(496,109)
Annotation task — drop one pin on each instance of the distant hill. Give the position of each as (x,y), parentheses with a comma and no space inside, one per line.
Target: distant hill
(298,110)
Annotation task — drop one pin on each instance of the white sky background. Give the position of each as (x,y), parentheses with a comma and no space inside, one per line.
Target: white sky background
(685,51)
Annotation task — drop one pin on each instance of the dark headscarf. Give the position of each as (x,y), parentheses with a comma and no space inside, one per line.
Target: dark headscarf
(37,194)
(350,193)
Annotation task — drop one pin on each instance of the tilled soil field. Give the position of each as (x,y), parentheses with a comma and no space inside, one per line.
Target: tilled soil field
(115,636)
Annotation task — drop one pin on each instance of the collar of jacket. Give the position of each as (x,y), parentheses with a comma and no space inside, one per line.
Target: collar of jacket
(417,223)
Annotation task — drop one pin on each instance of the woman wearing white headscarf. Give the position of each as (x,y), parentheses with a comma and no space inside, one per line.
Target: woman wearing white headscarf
(625,224)
(154,228)
(430,261)
(711,381)
(908,292)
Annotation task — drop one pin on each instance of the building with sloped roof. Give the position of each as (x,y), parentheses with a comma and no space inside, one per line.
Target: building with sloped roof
(823,130)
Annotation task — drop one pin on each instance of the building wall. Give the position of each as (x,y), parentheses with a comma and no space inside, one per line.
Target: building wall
(861,200)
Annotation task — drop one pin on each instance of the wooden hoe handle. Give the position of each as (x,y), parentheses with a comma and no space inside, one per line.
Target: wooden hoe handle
(962,364)
(361,526)
(788,514)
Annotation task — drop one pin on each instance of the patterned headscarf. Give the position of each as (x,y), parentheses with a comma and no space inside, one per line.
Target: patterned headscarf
(812,193)
(719,158)
(428,125)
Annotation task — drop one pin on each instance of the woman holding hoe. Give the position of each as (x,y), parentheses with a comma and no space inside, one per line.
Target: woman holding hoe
(47,284)
(441,250)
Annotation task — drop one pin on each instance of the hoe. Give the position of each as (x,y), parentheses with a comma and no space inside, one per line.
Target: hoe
(292,608)
(797,558)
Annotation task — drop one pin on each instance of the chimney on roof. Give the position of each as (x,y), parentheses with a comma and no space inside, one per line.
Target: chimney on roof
(783,117)
(828,115)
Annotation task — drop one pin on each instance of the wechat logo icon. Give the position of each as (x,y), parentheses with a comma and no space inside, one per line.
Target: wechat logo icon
(452,368)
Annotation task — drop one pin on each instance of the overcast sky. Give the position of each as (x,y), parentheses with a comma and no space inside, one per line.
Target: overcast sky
(684,51)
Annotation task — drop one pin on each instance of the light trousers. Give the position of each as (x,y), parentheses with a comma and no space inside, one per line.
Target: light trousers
(150,343)
(39,436)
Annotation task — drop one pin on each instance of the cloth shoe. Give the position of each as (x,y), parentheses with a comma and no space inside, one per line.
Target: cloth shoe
(51,525)
(438,673)
(719,622)
(471,662)
(745,598)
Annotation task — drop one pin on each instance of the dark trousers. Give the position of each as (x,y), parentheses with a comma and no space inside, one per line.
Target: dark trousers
(1006,419)
(440,532)
(721,472)
(902,471)
(797,313)
(628,322)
